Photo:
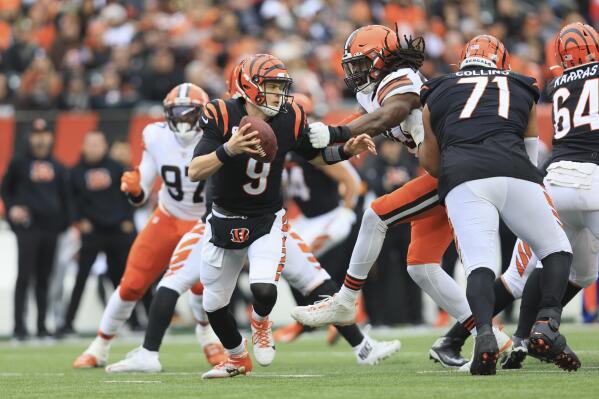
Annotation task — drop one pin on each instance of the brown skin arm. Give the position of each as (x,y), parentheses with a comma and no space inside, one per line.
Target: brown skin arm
(428,151)
(393,111)
(341,175)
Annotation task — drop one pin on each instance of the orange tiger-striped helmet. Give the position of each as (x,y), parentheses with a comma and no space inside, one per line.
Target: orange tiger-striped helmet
(255,73)
(577,44)
(233,89)
(182,108)
(487,51)
(364,56)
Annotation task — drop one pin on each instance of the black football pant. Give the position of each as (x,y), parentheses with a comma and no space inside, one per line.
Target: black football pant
(115,244)
(36,249)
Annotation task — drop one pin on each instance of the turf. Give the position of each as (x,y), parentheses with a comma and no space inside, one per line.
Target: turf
(307,368)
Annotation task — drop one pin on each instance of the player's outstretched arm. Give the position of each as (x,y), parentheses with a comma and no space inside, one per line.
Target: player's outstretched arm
(428,151)
(337,153)
(138,183)
(209,160)
(394,110)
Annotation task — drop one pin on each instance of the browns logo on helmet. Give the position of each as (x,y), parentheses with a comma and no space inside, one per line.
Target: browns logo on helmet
(258,71)
(182,108)
(371,52)
(486,51)
(577,44)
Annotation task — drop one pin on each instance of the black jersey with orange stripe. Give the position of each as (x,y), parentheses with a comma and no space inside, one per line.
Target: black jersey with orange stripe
(244,186)
(479,116)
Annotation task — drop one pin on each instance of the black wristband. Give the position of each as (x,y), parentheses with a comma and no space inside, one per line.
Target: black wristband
(334,154)
(136,199)
(222,154)
(339,134)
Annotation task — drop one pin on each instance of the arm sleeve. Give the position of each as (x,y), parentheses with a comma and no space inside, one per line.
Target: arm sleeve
(148,170)
(212,137)
(532,149)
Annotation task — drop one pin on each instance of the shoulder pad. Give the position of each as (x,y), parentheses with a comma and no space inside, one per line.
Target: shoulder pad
(404,80)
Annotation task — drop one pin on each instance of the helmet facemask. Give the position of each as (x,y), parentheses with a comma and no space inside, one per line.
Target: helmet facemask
(358,71)
(183,120)
(268,87)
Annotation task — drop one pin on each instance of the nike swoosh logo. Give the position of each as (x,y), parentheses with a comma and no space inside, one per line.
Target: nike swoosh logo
(204,119)
(187,111)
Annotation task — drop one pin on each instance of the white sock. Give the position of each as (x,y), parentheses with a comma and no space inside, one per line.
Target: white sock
(444,290)
(257,317)
(348,296)
(368,244)
(238,350)
(116,313)
(197,308)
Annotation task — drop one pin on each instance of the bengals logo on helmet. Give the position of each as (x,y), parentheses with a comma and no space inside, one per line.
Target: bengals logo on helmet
(183,107)
(485,50)
(254,73)
(577,44)
(240,235)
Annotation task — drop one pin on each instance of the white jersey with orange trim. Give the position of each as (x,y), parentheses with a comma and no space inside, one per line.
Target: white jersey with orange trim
(165,156)
(403,80)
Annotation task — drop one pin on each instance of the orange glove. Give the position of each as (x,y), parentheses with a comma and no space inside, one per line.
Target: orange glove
(130,182)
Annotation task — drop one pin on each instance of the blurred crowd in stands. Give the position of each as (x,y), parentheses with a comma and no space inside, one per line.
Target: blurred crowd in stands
(93,54)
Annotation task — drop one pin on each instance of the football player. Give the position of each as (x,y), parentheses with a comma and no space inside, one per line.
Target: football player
(476,121)
(247,218)
(387,83)
(168,146)
(572,179)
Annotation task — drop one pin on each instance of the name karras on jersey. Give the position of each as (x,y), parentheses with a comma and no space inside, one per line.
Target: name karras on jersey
(581,73)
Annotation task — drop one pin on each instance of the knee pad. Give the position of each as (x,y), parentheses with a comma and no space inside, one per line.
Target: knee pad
(264,293)
(327,288)
(371,218)
(212,301)
(197,289)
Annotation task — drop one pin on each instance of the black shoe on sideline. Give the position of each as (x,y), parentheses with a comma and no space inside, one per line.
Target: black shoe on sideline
(446,350)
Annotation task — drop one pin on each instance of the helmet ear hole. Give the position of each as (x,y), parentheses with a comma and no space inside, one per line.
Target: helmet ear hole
(259,99)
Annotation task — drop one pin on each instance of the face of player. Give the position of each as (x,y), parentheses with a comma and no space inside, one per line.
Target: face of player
(41,144)
(94,147)
(276,93)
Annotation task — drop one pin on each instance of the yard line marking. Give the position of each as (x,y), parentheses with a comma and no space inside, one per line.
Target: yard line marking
(133,382)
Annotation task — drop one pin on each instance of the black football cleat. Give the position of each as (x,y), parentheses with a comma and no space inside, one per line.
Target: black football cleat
(486,353)
(567,360)
(446,350)
(518,354)
(545,339)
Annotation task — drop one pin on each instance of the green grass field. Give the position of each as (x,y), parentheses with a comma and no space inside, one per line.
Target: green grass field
(307,368)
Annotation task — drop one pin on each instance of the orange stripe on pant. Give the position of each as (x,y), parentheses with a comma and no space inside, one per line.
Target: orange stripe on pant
(417,203)
(151,252)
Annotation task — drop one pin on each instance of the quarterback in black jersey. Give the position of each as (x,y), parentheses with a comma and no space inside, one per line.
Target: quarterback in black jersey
(475,122)
(247,218)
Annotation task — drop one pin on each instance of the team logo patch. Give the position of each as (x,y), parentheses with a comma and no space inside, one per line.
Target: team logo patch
(240,235)
(41,171)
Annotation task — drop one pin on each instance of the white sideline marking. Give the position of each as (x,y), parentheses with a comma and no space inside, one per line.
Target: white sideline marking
(133,382)
(11,374)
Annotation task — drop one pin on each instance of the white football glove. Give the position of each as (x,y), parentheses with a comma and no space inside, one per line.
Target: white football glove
(319,134)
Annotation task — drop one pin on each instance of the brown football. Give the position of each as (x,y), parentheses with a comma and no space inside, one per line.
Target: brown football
(268,141)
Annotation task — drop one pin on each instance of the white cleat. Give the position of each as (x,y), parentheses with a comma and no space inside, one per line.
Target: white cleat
(213,349)
(139,360)
(327,311)
(263,342)
(371,352)
(96,355)
(504,343)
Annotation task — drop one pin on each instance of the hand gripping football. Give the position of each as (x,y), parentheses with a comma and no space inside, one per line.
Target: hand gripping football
(268,141)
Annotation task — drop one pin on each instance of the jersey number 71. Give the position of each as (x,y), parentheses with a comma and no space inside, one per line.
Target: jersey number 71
(480,84)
